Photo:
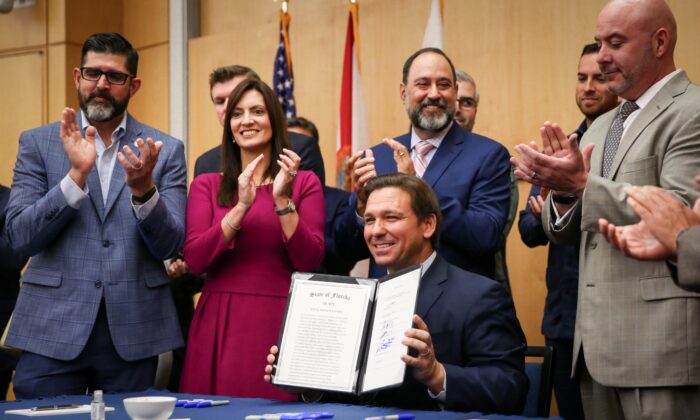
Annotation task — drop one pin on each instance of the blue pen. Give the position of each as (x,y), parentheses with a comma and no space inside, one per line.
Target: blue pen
(393,417)
(181,403)
(291,416)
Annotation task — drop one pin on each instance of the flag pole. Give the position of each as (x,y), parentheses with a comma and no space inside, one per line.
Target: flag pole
(285,20)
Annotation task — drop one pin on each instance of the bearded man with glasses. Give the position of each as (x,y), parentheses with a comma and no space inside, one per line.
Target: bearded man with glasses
(98,201)
(469,173)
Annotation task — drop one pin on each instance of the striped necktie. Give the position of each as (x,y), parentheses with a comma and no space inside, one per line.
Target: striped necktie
(420,161)
(612,141)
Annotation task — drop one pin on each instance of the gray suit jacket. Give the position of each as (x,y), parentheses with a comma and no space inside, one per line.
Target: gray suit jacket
(636,327)
(98,251)
(689,259)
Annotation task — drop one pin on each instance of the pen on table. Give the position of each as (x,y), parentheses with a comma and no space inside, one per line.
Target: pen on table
(392,417)
(181,403)
(54,407)
(204,403)
(291,416)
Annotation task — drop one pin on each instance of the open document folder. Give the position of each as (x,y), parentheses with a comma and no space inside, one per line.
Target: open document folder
(344,334)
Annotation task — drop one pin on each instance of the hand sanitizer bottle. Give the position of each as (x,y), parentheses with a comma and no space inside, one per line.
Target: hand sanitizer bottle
(97,406)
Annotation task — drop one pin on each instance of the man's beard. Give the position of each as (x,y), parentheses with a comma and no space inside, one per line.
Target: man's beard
(102,111)
(434,122)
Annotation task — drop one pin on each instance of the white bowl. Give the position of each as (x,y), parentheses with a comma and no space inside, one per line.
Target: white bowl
(150,408)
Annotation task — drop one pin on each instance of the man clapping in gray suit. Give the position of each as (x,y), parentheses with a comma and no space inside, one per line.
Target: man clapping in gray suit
(95,309)
(636,341)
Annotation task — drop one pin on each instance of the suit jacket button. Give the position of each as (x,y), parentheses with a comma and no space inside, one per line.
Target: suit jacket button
(147,229)
(98,284)
(51,214)
(594,245)
(105,243)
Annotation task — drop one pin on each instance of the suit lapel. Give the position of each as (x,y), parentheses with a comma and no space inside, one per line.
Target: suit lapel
(662,100)
(95,188)
(116,185)
(444,155)
(431,286)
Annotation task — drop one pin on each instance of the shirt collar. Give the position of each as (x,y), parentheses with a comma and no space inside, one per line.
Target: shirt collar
(425,265)
(649,94)
(116,134)
(435,141)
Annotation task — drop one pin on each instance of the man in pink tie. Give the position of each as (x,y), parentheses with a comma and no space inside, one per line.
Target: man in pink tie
(469,173)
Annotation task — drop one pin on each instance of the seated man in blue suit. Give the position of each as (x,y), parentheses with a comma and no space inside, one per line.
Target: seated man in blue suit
(467,350)
(98,201)
(469,173)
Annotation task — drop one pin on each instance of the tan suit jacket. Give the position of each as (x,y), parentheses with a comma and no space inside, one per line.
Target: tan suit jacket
(636,327)
(689,259)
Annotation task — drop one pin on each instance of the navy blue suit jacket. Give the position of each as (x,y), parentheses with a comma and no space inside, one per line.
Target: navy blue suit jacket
(477,338)
(335,262)
(470,175)
(306,147)
(11,264)
(559,318)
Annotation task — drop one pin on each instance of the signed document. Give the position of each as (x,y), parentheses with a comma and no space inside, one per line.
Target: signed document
(344,334)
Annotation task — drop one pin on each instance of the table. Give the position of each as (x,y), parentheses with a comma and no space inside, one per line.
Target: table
(237,409)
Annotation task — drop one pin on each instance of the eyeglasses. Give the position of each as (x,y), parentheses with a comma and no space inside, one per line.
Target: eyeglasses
(466,102)
(113,77)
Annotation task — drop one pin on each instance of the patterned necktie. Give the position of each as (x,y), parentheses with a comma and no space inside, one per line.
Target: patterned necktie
(612,141)
(420,161)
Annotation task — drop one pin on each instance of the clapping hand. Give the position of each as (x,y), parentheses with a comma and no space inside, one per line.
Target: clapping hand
(81,151)
(246,185)
(139,169)
(402,157)
(289,165)
(363,170)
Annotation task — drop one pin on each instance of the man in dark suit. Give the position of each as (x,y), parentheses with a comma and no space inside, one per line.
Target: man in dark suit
(11,264)
(98,204)
(593,99)
(334,261)
(466,351)
(469,173)
(222,81)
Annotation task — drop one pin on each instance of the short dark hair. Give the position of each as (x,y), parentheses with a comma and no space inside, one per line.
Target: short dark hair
(424,202)
(591,48)
(409,62)
(302,122)
(226,73)
(111,43)
(231,164)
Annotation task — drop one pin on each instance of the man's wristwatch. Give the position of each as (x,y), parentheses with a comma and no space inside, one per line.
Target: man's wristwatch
(141,199)
(564,199)
(290,208)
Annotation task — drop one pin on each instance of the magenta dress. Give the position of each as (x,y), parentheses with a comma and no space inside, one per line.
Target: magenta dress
(239,314)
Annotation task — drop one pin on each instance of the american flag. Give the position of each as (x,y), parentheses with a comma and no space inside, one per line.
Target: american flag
(282,77)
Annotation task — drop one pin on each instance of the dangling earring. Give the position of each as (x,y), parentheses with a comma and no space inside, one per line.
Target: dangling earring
(233,139)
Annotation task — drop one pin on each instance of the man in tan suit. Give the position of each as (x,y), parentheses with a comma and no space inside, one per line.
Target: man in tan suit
(637,341)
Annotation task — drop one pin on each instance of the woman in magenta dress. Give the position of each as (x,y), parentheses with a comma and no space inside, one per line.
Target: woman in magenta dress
(248,229)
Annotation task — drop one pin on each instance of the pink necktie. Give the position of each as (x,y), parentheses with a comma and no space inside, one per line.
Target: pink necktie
(420,162)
